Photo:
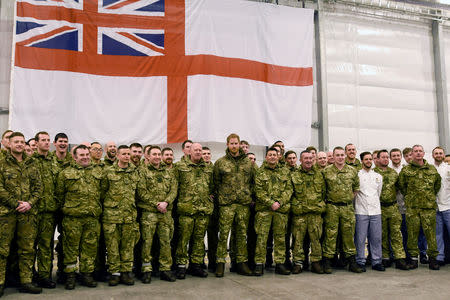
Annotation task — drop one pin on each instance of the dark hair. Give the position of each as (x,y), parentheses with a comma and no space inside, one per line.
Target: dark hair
(205,148)
(303,152)
(81,146)
(135,145)
(39,133)
(122,147)
(394,150)
(154,147)
(338,148)
(184,143)
(290,152)
(272,149)
(349,144)
(16,133)
(28,142)
(166,149)
(245,142)
(406,150)
(310,148)
(364,154)
(251,153)
(96,143)
(60,135)
(382,151)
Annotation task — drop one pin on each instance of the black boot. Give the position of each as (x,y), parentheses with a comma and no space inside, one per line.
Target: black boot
(29,288)
(88,280)
(181,272)
(167,276)
(2,289)
(220,269)
(46,283)
(70,281)
(113,280)
(243,269)
(413,263)
(259,270)
(401,264)
(353,266)
(316,267)
(387,263)
(146,277)
(281,269)
(327,266)
(433,265)
(197,270)
(424,259)
(125,278)
(233,267)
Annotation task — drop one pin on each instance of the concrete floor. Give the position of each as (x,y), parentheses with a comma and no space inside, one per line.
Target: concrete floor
(392,284)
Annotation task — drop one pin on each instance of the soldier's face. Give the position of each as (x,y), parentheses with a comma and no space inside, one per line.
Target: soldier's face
(17,144)
(196,152)
(245,148)
(33,145)
(233,146)
(396,157)
(314,156)
(168,157)
(96,151)
(339,157)
(111,149)
(61,144)
(252,158)
(82,157)
(291,160)
(136,154)
(44,142)
(438,155)
(384,159)
(187,148)
(367,161)
(206,154)
(351,151)
(124,156)
(408,157)
(281,144)
(330,157)
(278,152)
(155,157)
(272,158)
(322,159)
(28,150)
(417,154)
(5,139)
(306,160)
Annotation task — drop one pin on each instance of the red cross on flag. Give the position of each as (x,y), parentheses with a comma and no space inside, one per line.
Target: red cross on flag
(161,71)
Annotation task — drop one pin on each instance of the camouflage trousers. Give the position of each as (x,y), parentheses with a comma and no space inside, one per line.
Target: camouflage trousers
(26,227)
(191,226)
(80,240)
(415,217)
(263,221)
(120,240)
(162,224)
(301,225)
(342,219)
(391,221)
(45,243)
(239,215)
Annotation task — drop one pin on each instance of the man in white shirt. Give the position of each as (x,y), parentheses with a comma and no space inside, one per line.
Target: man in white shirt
(443,202)
(368,214)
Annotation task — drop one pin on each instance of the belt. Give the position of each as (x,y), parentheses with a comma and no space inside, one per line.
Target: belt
(387,204)
(340,203)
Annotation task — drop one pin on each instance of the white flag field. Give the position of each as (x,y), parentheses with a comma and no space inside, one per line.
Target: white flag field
(159,72)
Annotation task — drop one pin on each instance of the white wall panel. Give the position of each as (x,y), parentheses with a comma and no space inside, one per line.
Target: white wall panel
(380,83)
(447,65)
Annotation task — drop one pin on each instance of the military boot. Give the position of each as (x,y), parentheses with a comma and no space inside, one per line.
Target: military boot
(2,289)
(167,276)
(353,266)
(433,265)
(259,270)
(70,281)
(125,278)
(233,267)
(46,283)
(281,269)
(113,280)
(197,270)
(297,267)
(146,277)
(88,280)
(424,259)
(316,267)
(413,263)
(181,272)
(401,264)
(327,266)
(387,263)
(220,269)
(243,269)
(29,288)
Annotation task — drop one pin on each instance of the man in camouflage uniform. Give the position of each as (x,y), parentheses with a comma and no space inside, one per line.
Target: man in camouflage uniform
(233,179)
(119,184)
(96,152)
(308,204)
(5,143)
(20,190)
(136,154)
(391,219)
(111,152)
(195,204)
(78,187)
(48,207)
(273,189)
(157,190)
(342,183)
(420,182)
(350,157)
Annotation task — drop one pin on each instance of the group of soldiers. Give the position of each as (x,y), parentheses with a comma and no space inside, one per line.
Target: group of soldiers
(133,214)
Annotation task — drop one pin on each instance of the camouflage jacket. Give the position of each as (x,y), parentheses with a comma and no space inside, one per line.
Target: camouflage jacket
(79,190)
(390,185)
(195,187)
(420,185)
(119,194)
(48,169)
(273,185)
(108,162)
(67,161)
(233,179)
(357,164)
(19,181)
(156,185)
(341,184)
(309,191)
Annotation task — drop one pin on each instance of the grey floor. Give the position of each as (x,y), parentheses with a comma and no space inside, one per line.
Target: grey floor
(392,284)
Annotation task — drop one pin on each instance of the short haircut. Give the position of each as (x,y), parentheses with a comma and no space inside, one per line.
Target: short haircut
(122,147)
(349,144)
(244,142)
(310,148)
(438,147)
(16,133)
(251,153)
(364,154)
(233,136)
(39,133)
(146,148)
(185,142)
(205,148)
(382,151)
(417,145)
(32,139)
(407,150)
(304,151)
(290,152)
(337,148)
(6,132)
(60,135)
(272,149)
(96,143)
(275,146)
(81,146)
(166,149)
(136,145)
(278,142)
(394,150)
(154,147)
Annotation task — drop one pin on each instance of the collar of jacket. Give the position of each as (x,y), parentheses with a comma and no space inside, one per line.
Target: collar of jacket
(116,167)
(426,165)
(241,155)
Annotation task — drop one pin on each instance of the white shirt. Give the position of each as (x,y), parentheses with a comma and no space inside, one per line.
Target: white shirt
(443,196)
(367,201)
